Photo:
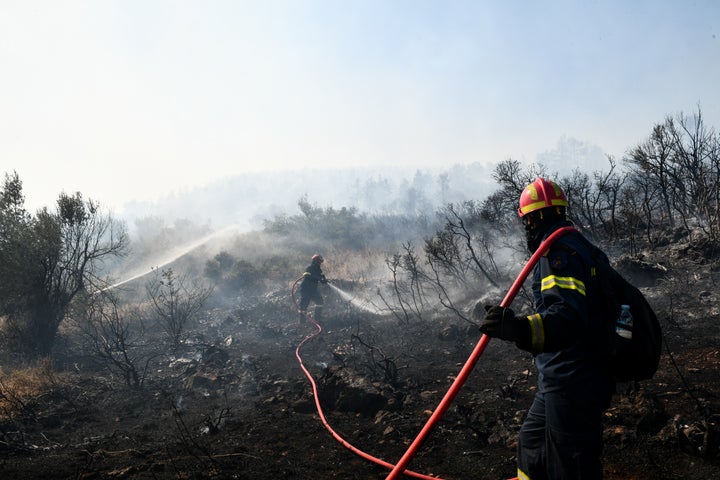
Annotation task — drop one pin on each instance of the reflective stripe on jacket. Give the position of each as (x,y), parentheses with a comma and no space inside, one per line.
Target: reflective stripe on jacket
(568,319)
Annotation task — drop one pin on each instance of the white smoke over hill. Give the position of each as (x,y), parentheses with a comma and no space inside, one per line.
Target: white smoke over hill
(250,199)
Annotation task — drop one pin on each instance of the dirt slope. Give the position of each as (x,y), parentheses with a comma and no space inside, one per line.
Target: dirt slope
(235,403)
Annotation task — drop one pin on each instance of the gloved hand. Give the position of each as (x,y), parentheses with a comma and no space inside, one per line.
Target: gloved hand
(502,323)
(323,279)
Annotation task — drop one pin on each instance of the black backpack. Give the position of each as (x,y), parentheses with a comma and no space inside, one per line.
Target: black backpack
(636,358)
(632,359)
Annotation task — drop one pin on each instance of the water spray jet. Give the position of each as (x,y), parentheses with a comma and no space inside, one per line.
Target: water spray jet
(170,256)
(364,305)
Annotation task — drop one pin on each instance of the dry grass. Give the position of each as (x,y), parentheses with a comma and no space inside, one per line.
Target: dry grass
(21,387)
(363,267)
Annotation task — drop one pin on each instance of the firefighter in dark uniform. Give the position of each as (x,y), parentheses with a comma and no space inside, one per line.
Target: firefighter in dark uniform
(561,437)
(309,291)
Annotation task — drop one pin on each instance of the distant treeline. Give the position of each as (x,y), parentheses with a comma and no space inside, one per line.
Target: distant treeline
(667,185)
(664,189)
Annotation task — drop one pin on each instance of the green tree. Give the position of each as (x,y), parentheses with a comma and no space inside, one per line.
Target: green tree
(46,260)
(234,277)
(15,248)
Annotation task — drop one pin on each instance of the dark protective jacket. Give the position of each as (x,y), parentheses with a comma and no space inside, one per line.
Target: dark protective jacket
(566,330)
(311,277)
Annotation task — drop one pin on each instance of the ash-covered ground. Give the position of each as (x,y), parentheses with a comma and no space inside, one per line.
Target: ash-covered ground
(234,403)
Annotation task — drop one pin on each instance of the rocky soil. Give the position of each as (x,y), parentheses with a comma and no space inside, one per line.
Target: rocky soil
(234,402)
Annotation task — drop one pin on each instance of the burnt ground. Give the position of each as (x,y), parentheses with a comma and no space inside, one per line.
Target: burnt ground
(234,402)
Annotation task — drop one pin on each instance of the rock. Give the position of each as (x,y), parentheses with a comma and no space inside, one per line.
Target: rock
(206,381)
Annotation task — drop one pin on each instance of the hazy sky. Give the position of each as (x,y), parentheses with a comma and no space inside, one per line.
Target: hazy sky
(126,99)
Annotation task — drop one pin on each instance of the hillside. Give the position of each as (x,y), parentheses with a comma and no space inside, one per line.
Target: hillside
(232,402)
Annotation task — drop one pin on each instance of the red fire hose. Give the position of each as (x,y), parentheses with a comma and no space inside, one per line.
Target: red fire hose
(401,467)
(335,435)
(474,357)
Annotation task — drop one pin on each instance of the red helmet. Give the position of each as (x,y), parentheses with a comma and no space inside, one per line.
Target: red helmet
(317,258)
(541,194)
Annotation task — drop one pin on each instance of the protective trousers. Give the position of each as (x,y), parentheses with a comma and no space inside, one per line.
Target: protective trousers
(310,294)
(561,438)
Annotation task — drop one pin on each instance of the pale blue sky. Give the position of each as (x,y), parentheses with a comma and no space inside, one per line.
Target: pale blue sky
(128,100)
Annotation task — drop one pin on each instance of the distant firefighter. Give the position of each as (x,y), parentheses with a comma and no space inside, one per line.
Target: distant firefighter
(309,291)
